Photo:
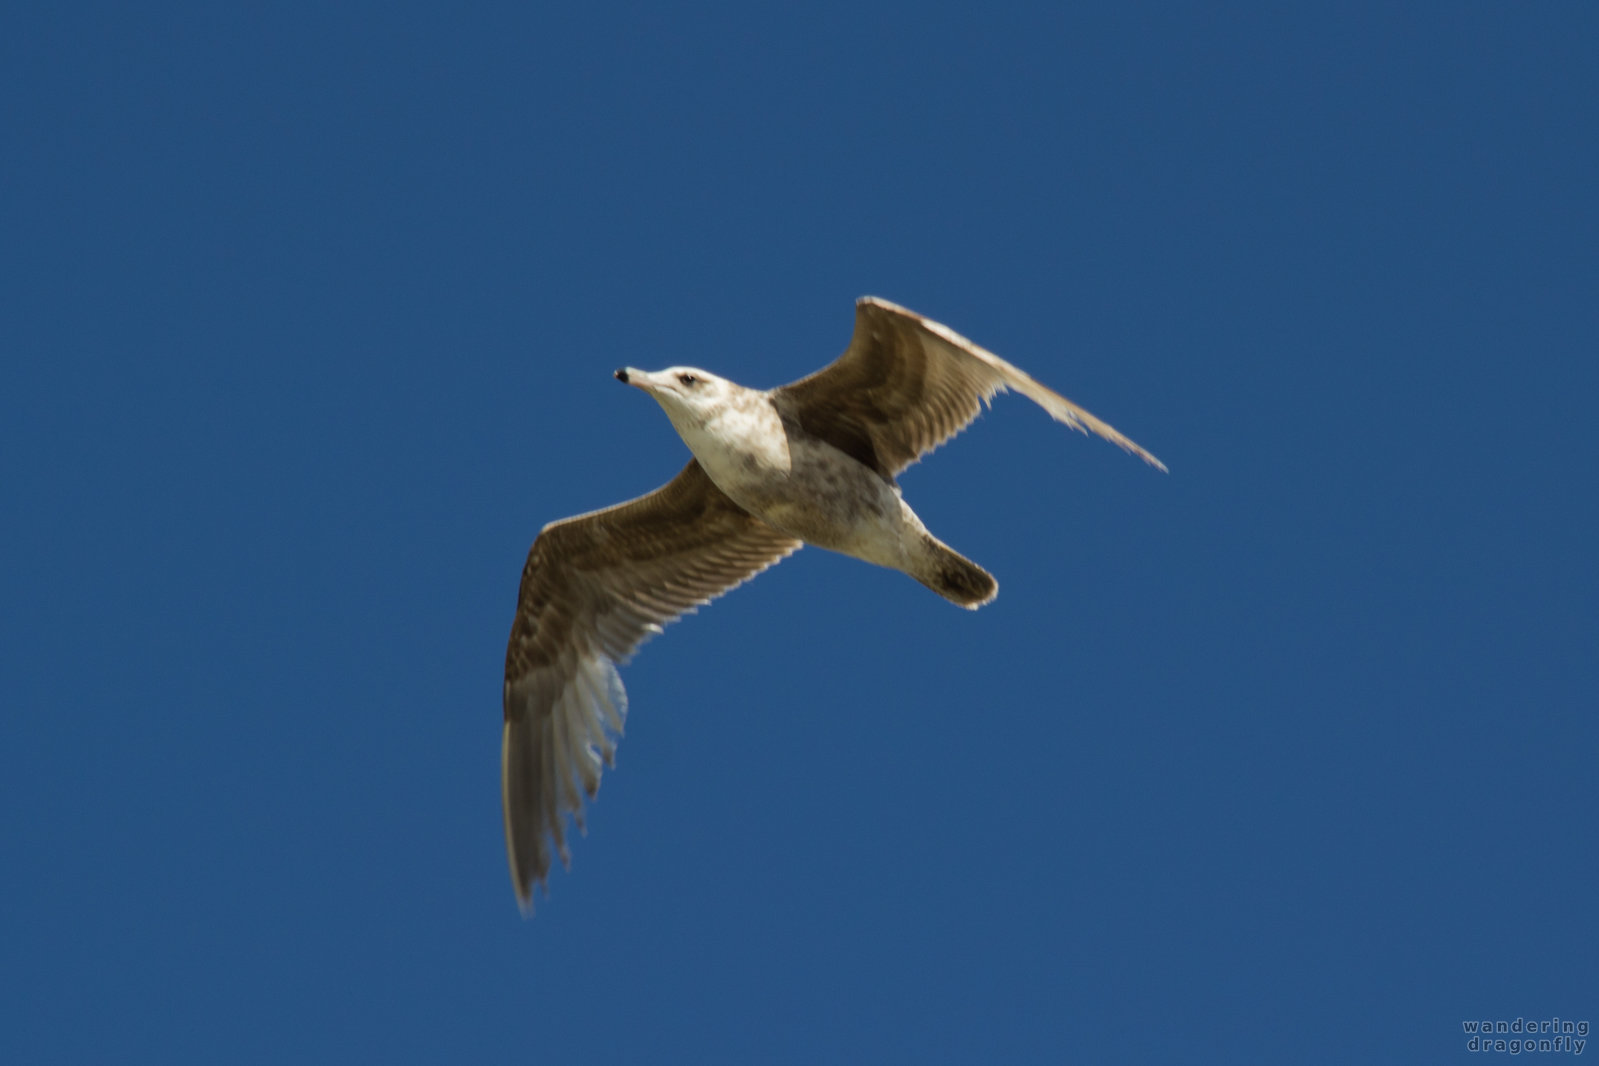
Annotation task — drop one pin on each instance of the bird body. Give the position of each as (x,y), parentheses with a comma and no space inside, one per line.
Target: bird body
(811,462)
(795,482)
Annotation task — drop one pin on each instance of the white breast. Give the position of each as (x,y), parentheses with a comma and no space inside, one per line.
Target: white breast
(742,445)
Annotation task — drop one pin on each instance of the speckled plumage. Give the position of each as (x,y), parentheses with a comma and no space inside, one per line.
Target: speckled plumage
(812,462)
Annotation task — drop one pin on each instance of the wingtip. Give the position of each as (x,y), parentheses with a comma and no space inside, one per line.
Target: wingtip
(1137,451)
(526,886)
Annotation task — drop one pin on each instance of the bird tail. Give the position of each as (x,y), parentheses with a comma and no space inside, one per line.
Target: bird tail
(953,576)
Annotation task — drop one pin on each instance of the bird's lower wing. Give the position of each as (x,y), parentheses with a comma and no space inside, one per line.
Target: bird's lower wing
(594,588)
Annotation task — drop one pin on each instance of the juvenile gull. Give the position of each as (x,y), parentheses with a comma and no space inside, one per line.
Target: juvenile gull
(812,462)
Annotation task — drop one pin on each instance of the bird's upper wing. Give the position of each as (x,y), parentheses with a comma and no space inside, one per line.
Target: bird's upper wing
(906,384)
(594,588)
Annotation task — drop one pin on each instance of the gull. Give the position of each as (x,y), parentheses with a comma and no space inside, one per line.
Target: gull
(811,462)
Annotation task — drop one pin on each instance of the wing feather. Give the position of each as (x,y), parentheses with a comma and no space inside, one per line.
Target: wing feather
(906,384)
(594,588)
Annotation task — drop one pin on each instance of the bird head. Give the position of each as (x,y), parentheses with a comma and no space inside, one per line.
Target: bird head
(690,396)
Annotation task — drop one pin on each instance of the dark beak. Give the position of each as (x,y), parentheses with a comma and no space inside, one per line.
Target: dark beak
(621,375)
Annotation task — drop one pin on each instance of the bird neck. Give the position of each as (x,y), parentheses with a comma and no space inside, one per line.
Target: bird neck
(738,440)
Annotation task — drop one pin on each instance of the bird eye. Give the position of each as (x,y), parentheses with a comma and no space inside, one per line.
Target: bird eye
(688,379)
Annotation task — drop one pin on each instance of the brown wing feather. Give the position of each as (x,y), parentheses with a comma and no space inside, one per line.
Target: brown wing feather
(594,588)
(906,384)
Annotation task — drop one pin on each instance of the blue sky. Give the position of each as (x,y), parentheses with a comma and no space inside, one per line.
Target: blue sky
(309,314)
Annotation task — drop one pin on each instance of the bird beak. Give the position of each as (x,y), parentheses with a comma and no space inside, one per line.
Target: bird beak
(639,379)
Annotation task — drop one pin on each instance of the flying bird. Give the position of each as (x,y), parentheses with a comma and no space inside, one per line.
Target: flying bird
(811,462)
